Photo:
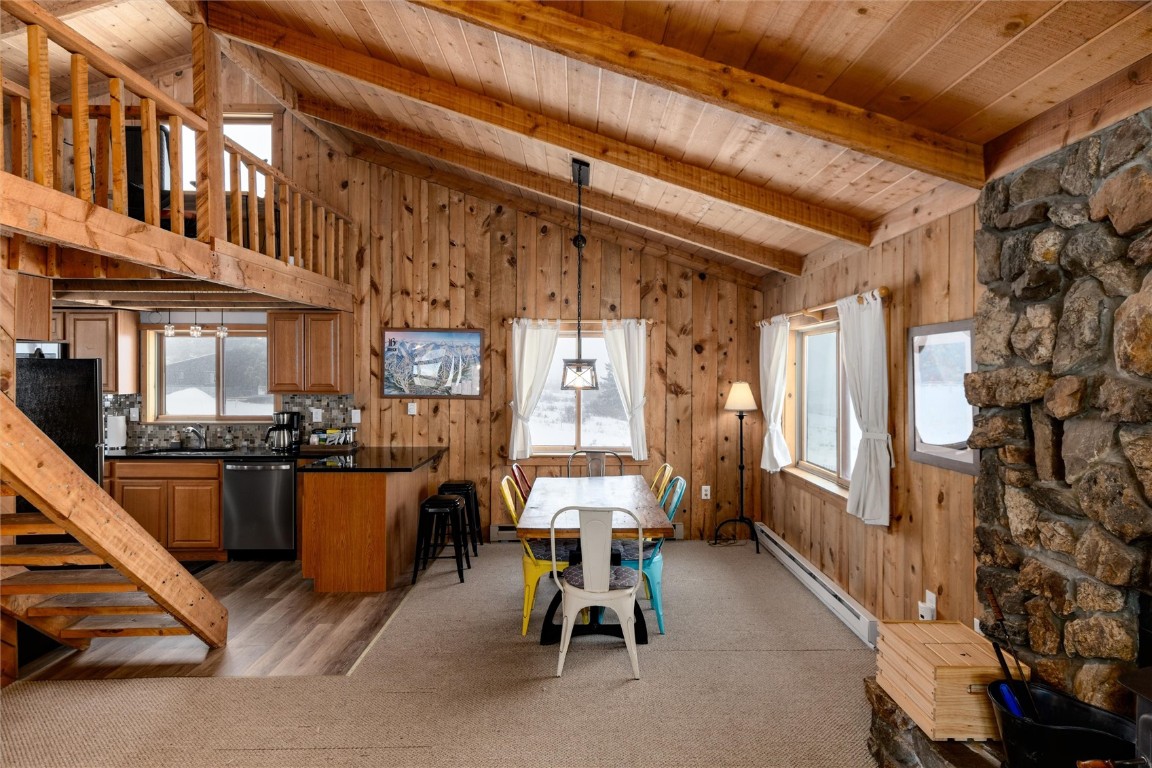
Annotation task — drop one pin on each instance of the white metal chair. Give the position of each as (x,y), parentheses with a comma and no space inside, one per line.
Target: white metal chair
(598,462)
(595,581)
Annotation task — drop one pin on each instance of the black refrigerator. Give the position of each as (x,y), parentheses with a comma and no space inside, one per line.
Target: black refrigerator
(63,399)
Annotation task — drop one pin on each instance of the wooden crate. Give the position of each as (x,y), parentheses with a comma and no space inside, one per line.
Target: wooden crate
(938,671)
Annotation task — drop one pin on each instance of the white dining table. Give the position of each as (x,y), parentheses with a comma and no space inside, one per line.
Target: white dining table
(551,494)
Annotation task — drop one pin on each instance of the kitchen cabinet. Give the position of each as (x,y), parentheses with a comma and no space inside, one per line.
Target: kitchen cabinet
(309,352)
(59,328)
(33,308)
(177,502)
(113,336)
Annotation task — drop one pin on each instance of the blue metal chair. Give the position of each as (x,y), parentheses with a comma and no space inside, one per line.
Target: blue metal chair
(653,565)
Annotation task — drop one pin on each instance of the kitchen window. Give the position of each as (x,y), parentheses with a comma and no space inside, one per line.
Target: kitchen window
(827,435)
(571,420)
(208,378)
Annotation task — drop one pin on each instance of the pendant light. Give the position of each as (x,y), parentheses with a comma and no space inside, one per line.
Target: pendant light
(579,372)
(169,329)
(221,330)
(195,330)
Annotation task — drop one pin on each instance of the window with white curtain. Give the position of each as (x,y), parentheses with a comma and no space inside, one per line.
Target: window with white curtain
(570,420)
(827,435)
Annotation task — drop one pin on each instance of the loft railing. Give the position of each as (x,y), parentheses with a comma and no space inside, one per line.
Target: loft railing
(53,144)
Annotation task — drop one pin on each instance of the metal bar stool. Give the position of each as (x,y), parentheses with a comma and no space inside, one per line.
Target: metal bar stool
(437,513)
(467,490)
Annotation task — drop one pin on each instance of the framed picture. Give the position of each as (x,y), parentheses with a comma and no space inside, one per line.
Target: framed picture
(434,362)
(939,416)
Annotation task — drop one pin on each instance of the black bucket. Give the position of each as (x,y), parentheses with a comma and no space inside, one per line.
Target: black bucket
(1064,730)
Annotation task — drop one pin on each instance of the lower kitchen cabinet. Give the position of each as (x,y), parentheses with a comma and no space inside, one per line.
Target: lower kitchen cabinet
(177,502)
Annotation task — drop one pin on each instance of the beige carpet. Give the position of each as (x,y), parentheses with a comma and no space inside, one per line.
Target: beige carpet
(753,672)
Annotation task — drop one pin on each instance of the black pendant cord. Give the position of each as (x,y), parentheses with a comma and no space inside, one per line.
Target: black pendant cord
(579,242)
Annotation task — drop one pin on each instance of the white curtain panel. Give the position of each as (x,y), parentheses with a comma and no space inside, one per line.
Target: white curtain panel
(627,343)
(864,350)
(533,344)
(773,354)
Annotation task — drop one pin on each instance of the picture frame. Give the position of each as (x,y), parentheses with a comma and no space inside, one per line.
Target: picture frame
(432,362)
(939,416)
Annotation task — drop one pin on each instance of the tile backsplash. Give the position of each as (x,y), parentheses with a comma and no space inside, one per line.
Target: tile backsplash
(335,412)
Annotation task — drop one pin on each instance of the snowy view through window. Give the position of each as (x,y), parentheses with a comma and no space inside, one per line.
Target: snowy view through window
(190,387)
(603,422)
(943,416)
(821,400)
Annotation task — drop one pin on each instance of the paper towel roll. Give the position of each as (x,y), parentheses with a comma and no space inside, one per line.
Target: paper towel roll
(117,436)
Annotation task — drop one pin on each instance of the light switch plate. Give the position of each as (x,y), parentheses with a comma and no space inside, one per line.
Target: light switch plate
(411,409)
(355,415)
(134,414)
(317,414)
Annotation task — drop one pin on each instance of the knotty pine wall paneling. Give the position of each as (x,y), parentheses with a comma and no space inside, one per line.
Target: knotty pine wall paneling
(432,256)
(440,258)
(928,545)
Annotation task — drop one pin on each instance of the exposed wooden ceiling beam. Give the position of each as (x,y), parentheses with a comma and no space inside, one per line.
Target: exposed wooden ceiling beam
(1109,101)
(699,262)
(462,157)
(287,42)
(724,86)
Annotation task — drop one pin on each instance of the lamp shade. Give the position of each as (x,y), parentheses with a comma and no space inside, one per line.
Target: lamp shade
(740,398)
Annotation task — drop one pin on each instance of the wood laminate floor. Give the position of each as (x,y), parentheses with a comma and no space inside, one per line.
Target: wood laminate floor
(277,626)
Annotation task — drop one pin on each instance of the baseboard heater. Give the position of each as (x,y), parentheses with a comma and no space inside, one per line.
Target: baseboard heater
(854,616)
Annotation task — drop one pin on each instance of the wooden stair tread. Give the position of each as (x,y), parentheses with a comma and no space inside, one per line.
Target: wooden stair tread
(60,582)
(27,524)
(125,626)
(48,554)
(97,604)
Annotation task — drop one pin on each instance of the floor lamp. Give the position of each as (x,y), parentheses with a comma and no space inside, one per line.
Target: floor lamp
(740,399)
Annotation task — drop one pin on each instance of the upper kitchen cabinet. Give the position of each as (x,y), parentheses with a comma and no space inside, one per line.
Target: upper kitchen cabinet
(33,308)
(309,352)
(114,337)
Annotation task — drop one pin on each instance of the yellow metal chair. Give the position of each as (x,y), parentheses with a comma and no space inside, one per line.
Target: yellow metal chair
(537,560)
(660,481)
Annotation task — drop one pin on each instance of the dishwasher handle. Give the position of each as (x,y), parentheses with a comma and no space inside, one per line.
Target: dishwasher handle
(254,467)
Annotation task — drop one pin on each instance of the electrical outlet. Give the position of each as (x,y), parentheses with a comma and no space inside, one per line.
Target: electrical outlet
(411,409)
(355,415)
(317,414)
(705,491)
(134,414)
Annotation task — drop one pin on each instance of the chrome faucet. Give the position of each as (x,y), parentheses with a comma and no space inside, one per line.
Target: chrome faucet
(198,430)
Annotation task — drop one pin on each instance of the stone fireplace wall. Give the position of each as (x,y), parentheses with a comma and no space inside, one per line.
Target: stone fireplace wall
(1063,345)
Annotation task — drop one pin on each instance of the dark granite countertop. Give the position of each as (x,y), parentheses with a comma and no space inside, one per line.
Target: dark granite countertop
(378,459)
(240,454)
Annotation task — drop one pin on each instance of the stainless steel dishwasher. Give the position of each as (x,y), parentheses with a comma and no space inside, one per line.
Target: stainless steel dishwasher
(259,505)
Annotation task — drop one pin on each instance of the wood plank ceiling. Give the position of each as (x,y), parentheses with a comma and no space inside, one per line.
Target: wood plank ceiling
(750,132)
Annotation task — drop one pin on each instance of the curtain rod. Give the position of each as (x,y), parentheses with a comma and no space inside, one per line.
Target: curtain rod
(510,320)
(883,291)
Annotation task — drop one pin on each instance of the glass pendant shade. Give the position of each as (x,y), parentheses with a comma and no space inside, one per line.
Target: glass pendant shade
(169,329)
(194,330)
(579,374)
(221,330)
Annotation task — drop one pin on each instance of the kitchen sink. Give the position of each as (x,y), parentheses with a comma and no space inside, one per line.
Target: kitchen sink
(184,451)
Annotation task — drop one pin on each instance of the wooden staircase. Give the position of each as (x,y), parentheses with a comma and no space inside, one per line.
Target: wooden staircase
(116,582)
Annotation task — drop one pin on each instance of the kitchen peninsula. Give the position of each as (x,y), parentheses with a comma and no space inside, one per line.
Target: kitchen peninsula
(358,516)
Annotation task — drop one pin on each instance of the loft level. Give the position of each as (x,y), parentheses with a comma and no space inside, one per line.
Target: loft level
(129,159)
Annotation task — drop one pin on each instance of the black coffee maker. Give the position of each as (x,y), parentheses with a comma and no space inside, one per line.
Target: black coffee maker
(291,420)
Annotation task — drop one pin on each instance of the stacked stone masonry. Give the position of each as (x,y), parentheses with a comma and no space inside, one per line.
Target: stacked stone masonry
(1063,346)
